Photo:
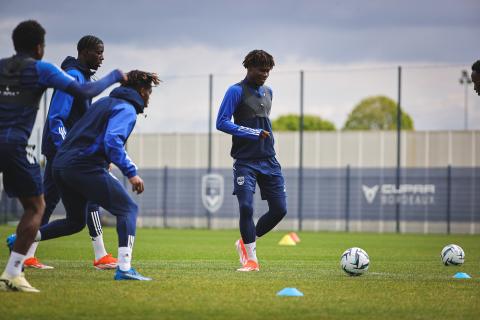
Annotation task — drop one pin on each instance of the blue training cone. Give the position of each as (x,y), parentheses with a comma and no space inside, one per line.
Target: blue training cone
(461,275)
(290,292)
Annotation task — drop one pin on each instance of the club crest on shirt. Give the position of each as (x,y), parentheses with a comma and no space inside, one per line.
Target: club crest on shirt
(240,180)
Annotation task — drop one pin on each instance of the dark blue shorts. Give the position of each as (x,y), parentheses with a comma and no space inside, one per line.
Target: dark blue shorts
(266,172)
(21,172)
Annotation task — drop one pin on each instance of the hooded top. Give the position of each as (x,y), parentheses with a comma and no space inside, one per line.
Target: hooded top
(65,110)
(99,137)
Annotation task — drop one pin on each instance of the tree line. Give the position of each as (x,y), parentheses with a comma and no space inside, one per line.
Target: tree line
(372,113)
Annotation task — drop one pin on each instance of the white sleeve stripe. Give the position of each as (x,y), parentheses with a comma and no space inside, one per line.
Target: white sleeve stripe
(131,162)
(63,132)
(249,130)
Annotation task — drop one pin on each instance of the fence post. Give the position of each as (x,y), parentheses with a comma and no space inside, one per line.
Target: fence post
(449,196)
(300,160)
(165,196)
(399,144)
(347,199)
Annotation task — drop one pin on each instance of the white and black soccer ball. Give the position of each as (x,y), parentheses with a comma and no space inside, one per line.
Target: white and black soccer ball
(452,255)
(354,261)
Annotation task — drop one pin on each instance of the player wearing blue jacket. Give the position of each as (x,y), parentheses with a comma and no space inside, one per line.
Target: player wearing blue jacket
(80,168)
(64,111)
(23,79)
(249,103)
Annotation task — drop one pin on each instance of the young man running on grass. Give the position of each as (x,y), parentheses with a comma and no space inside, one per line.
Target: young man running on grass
(80,167)
(250,102)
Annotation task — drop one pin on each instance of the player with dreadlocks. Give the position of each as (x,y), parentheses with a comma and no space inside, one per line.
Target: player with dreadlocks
(80,167)
(65,110)
(476,76)
(250,102)
(24,77)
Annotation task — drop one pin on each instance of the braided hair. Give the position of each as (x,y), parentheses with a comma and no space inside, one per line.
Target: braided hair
(88,42)
(258,58)
(476,66)
(140,79)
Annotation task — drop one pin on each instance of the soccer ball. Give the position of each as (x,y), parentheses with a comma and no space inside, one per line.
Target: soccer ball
(354,261)
(452,255)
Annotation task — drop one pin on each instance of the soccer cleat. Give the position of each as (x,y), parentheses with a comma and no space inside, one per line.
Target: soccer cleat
(105,262)
(250,266)
(11,241)
(131,274)
(242,252)
(18,283)
(33,262)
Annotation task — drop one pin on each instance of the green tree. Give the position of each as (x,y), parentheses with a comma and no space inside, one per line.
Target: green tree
(376,113)
(291,122)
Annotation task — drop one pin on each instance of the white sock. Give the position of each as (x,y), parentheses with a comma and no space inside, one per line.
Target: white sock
(124,258)
(32,250)
(251,251)
(98,247)
(38,236)
(14,264)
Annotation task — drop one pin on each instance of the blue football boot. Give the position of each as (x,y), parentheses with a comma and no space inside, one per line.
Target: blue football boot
(131,274)
(11,241)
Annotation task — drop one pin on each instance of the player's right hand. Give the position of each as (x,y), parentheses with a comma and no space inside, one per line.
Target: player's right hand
(137,184)
(124,76)
(264,134)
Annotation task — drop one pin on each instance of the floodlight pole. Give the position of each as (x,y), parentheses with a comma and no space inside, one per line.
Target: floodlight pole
(399,149)
(210,108)
(466,81)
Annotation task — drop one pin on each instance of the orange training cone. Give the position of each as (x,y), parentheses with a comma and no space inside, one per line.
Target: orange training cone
(294,237)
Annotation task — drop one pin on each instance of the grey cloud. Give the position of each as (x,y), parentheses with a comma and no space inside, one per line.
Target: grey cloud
(329,31)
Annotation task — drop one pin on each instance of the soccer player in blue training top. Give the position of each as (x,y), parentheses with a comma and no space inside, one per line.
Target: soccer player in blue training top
(80,167)
(476,76)
(23,79)
(250,102)
(65,110)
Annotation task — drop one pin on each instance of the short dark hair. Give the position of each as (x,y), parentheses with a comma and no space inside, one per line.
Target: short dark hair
(258,58)
(140,79)
(476,66)
(27,35)
(88,42)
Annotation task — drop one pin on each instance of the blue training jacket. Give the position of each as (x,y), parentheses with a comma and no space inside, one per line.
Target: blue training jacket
(64,110)
(17,119)
(99,137)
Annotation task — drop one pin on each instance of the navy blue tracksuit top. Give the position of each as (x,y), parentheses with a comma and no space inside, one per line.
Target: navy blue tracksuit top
(99,137)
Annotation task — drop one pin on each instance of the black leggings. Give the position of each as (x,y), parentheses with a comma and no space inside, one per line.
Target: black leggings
(277,209)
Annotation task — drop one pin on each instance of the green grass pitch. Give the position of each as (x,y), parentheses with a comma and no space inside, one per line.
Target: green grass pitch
(195,278)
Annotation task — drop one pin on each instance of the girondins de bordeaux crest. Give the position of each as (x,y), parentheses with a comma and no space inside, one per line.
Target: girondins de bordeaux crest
(212,192)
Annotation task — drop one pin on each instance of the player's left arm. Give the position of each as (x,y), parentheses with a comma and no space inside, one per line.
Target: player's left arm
(119,127)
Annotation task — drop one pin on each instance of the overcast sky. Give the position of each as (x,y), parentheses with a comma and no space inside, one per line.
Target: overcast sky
(348,49)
